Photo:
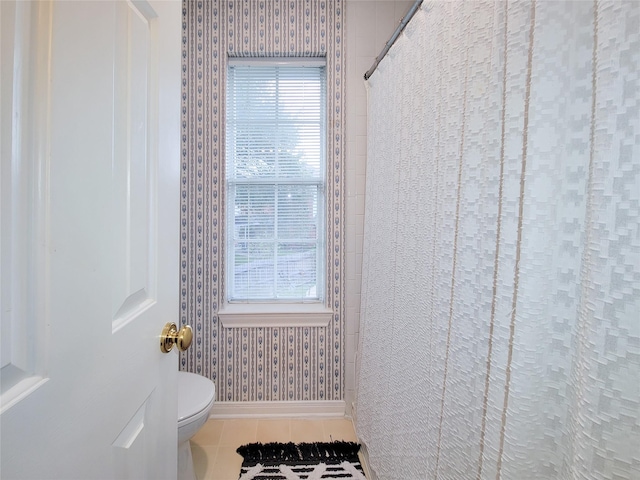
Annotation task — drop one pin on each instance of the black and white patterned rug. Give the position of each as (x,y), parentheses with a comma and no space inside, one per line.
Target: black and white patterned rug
(302,461)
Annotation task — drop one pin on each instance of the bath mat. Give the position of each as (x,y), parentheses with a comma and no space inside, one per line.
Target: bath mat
(302,461)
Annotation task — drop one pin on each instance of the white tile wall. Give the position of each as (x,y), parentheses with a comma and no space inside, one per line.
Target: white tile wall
(369,25)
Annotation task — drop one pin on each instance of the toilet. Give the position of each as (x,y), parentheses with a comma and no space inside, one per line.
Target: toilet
(195,399)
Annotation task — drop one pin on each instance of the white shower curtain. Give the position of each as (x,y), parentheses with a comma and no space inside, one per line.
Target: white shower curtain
(500,316)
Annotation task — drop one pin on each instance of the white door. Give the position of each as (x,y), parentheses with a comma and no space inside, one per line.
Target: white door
(90,224)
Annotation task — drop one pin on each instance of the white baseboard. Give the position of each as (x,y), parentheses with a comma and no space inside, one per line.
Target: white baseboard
(284,409)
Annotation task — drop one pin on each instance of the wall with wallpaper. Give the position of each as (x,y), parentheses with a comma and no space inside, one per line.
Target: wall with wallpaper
(500,333)
(255,364)
(367,25)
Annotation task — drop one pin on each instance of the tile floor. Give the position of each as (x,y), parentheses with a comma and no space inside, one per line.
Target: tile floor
(214,446)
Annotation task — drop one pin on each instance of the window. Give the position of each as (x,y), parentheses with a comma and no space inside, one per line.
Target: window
(275,181)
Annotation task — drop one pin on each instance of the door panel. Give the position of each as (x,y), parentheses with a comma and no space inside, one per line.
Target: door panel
(23,205)
(134,192)
(105,108)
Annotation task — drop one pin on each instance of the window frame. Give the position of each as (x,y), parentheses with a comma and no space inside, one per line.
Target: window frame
(285,312)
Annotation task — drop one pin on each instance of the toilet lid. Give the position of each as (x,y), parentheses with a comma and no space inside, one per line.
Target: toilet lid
(195,393)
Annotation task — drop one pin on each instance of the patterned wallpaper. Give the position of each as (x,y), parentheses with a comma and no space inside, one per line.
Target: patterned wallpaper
(500,333)
(254,364)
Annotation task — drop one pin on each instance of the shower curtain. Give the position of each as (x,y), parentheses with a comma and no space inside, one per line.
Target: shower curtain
(500,316)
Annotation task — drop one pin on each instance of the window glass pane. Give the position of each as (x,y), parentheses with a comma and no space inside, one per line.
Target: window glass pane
(297,213)
(296,270)
(275,121)
(254,273)
(254,151)
(254,209)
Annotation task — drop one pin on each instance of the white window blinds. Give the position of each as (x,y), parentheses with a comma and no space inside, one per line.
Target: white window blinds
(275,174)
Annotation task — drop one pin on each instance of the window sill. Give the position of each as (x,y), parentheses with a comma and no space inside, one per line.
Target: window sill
(275,315)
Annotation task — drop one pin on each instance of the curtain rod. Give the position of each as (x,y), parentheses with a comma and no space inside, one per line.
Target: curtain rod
(392,40)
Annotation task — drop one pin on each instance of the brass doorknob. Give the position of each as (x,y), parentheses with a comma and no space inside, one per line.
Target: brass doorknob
(171,336)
